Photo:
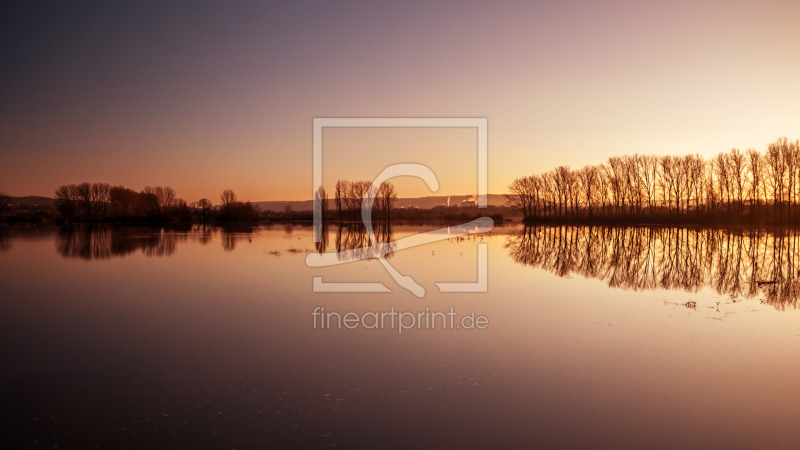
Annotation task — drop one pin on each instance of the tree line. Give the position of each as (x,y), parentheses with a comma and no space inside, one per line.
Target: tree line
(350,195)
(101,201)
(732,186)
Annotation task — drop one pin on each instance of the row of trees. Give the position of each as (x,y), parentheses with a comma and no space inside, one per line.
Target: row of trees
(101,201)
(350,195)
(731,186)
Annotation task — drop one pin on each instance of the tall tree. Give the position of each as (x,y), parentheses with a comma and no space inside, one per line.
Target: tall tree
(521,194)
(94,198)
(203,210)
(67,199)
(4,200)
(228,198)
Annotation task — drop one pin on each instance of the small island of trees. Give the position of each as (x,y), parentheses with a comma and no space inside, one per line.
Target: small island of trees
(95,202)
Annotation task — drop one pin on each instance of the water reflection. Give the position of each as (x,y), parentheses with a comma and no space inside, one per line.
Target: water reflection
(288,229)
(743,263)
(233,234)
(97,242)
(321,230)
(353,242)
(93,242)
(5,239)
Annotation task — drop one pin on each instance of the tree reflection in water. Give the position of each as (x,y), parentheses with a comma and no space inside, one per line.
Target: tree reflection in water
(94,242)
(5,239)
(232,234)
(740,263)
(353,242)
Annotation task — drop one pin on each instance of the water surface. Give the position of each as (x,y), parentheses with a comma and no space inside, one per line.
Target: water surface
(141,337)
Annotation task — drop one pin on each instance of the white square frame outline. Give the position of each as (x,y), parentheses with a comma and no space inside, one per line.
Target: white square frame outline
(482,125)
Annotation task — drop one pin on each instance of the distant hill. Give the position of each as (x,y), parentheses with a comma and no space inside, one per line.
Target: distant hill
(419,202)
(31,200)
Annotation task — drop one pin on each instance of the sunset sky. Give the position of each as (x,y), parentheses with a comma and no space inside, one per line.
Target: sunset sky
(206,97)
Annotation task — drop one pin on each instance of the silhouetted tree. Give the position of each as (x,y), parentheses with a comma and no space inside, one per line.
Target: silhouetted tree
(158,200)
(180,211)
(4,200)
(149,201)
(349,198)
(521,195)
(94,198)
(234,210)
(339,198)
(67,199)
(166,197)
(755,169)
(228,197)
(321,203)
(384,201)
(124,201)
(202,210)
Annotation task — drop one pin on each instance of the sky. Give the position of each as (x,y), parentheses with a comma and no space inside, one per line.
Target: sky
(206,96)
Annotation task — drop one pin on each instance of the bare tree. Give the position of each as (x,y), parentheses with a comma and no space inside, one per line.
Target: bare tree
(4,200)
(648,167)
(123,202)
(228,198)
(562,179)
(203,209)
(148,201)
(339,197)
(100,199)
(695,169)
(755,167)
(94,198)
(166,197)
(67,199)
(359,191)
(615,173)
(521,195)
(790,156)
(737,167)
(669,181)
(589,178)
(387,194)
(321,203)
(776,173)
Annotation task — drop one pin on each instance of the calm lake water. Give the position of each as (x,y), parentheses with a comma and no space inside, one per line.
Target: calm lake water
(141,337)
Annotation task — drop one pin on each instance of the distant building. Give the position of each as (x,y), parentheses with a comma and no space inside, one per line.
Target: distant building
(467,203)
